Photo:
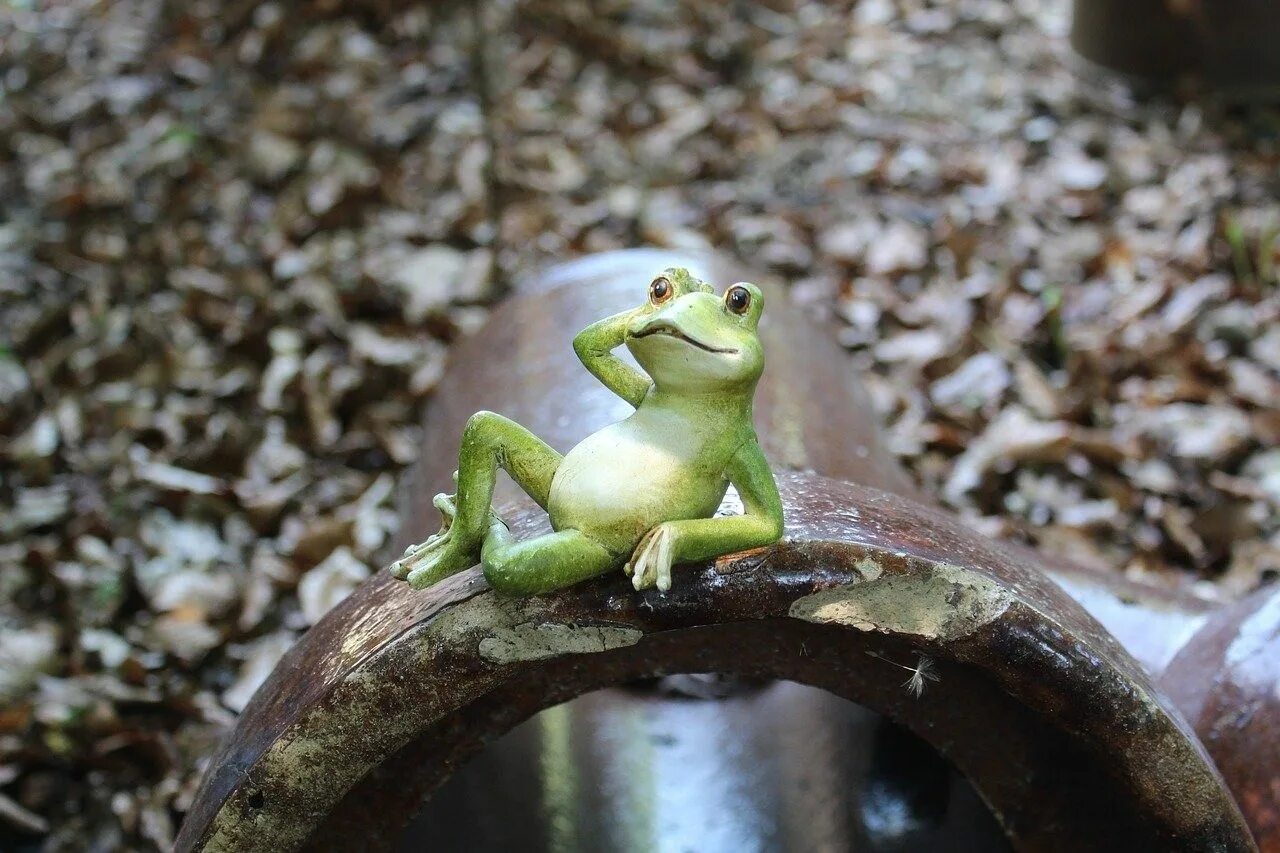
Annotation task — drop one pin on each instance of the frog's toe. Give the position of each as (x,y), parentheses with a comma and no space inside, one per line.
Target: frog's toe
(448,506)
(650,564)
(416,554)
(440,565)
(633,564)
(420,547)
(399,570)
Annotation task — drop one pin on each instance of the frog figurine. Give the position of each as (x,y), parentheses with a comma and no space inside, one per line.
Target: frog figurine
(641,494)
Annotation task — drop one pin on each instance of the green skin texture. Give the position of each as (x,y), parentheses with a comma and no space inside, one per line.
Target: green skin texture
(640,494)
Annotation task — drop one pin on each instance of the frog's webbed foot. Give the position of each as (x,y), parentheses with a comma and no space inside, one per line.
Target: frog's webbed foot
(650,563)
(447,504)
(445,557)
(443,553)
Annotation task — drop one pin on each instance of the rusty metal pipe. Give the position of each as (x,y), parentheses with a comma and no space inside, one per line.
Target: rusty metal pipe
(1226,681)
(1055,724)
(1227,46)
(813,415)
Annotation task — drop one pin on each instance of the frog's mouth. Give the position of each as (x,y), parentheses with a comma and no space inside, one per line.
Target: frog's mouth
(665,328)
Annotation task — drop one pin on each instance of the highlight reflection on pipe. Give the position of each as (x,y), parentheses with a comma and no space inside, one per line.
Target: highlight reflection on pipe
(776,767)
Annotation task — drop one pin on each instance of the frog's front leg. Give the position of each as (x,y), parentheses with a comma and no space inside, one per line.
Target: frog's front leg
(704,538)
(489,442)
(595,345)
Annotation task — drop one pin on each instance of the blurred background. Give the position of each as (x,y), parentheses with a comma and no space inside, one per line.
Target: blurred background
(238,238)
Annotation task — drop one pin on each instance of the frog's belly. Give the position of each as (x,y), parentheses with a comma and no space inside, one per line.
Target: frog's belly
(615,488)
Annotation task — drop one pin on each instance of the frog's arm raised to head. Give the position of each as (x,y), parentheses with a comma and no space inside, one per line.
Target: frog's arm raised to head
(595,345)
(705,538)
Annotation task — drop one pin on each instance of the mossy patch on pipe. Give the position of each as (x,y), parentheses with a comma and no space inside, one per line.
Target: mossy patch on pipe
(939,602)
(533,641)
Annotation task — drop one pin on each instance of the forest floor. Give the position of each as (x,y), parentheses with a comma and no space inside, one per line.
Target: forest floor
(237,240)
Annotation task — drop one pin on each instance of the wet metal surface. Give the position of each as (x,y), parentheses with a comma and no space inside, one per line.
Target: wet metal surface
(774,767)
(1227,682)
(1051,718)
(1226,45)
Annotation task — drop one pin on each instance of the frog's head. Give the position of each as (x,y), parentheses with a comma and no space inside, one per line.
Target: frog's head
(688,339)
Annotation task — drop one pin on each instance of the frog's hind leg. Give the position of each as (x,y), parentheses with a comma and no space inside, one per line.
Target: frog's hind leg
(489,442)
(544,563)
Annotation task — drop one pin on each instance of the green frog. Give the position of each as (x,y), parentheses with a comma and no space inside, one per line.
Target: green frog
(641,494)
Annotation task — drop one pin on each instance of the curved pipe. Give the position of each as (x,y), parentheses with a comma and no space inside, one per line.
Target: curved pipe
(1227,677)
(1226,680)
(812,414)
(1228,46)
(1050,719)
(1082,706)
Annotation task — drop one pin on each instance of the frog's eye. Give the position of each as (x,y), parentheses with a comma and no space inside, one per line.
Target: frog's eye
(660,290)
(737,299)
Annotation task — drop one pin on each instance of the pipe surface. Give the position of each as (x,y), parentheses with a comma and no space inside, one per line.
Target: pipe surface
(1228,46)
(813,415)
(522,366)
(1057,726)
(1226,681)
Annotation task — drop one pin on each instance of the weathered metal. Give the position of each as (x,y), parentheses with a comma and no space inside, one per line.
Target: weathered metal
(696,763)
(1059,727)
(1226,680)
(1225,45)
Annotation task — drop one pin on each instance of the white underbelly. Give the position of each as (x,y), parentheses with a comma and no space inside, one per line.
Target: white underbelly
(615,486)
